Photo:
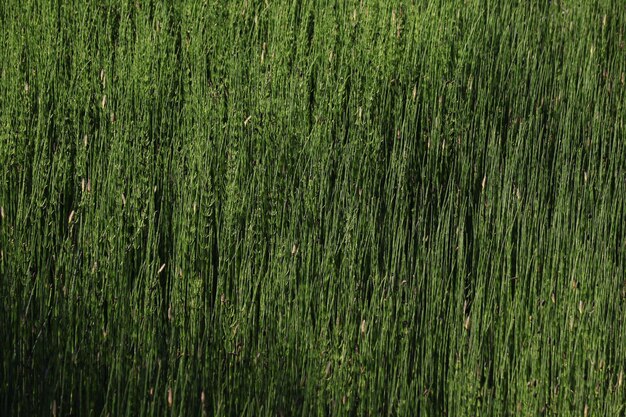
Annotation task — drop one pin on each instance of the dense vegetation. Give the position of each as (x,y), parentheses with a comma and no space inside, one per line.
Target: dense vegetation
(312,207)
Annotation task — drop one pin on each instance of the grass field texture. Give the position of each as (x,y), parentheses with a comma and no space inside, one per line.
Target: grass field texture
(312,208)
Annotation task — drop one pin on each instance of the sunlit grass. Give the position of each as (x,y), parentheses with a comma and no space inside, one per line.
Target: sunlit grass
(312,208)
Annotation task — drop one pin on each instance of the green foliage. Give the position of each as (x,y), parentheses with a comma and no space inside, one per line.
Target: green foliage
(312,208)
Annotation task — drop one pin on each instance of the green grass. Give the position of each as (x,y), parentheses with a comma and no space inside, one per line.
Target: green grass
(332,208)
